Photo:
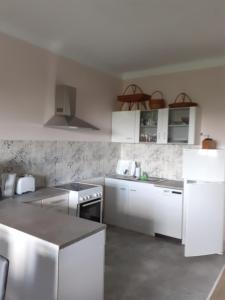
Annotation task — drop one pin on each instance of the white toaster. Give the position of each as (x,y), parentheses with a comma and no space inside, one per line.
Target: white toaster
(25,184)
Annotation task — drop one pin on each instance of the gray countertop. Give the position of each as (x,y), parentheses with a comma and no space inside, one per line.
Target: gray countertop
(56,228)
(53,227)
(171,184)
(40,194)
(160,182)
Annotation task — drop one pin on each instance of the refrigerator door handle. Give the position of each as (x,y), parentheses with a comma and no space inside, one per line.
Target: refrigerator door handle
(191,181)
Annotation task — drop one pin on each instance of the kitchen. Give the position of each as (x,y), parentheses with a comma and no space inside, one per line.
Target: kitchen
(32,68)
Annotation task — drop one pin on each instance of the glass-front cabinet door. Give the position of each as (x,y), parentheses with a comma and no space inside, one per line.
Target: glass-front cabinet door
(181,125)
(148,126)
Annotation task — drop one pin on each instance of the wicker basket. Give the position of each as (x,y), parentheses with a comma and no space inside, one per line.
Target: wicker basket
(157,103)
(208,144)
(137,97)
(182,100)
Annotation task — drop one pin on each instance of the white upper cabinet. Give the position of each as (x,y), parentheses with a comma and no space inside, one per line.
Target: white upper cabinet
(162,126)
(125,126)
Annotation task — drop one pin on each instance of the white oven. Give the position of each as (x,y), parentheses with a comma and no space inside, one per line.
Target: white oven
(85,200)
(91,210)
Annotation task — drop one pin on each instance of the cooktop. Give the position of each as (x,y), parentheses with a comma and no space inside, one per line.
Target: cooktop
(75,186)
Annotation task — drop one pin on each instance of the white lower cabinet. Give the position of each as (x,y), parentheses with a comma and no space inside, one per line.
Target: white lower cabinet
(168,212)
(116,202)
(129,205)
(143,207)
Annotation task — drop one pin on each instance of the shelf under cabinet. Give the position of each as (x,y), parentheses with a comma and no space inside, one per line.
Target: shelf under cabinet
(178,142)
(142,142)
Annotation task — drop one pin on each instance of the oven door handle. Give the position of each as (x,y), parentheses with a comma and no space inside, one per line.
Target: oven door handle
(89,204)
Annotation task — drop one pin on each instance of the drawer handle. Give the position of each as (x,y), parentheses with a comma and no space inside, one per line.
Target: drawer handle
(123,189)
(178,193)
(91,203)
(133,190)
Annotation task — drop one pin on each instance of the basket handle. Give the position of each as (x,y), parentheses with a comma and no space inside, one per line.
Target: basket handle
(134,88)
(157,92)
(184,97)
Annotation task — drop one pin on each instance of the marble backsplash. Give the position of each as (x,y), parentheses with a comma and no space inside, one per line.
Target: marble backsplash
(157,160)
(54,162)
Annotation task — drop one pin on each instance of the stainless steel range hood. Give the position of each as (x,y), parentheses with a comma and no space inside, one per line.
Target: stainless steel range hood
(65,110)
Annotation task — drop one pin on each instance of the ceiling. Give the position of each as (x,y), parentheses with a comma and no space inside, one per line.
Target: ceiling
(120,36)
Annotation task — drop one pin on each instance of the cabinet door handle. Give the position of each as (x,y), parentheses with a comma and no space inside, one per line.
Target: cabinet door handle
(178,193)
(123,189)
(133,190)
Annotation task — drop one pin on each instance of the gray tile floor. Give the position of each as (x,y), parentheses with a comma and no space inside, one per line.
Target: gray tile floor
(139,267)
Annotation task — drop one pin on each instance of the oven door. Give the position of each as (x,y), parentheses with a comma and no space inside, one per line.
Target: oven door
(91,210)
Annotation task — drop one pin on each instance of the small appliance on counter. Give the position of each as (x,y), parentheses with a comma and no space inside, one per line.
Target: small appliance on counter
(126,167)
(25,184)
(137,170)
(8,183)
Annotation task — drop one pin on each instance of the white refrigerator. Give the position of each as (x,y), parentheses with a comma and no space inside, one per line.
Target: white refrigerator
(204,195)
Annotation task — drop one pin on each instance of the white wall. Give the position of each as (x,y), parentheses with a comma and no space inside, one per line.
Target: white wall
(28,75)
(27,79)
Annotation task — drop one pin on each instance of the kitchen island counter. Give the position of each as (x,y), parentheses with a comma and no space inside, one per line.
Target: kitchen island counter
(58,229)
(51,255)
